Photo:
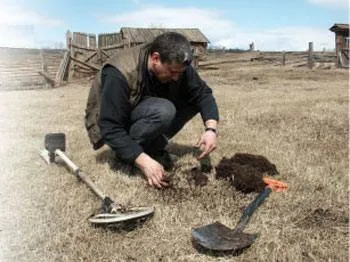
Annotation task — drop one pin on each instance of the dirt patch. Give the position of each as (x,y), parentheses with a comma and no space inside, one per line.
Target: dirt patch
(245,171)
(196,177)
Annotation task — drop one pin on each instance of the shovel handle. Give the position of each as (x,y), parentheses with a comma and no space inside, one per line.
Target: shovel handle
(80,174)
(250,209)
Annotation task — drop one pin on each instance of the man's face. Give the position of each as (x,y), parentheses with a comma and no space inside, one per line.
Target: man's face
(165,72)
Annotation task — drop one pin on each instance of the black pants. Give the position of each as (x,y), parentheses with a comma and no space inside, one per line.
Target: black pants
(155,120)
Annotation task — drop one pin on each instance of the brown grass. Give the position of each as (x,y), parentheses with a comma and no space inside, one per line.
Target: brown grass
(297,118)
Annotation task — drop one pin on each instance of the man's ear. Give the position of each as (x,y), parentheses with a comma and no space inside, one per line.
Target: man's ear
(155,57)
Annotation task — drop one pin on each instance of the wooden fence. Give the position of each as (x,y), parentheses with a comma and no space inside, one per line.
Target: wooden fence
(22,68)
(109,39)
(86,56)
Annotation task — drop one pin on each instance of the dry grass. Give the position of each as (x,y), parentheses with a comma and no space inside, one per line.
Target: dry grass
(297,118)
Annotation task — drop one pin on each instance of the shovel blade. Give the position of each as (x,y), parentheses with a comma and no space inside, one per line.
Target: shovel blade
(55,141)
(218,237)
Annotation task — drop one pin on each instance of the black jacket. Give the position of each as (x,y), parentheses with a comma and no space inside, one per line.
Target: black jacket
(116,109)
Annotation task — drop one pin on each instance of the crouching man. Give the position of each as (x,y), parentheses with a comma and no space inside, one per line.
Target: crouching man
(144,96)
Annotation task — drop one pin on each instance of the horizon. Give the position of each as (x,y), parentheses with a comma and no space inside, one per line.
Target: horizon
(271,25)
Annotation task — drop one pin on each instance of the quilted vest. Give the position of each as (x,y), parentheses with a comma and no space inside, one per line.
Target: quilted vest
(132,63)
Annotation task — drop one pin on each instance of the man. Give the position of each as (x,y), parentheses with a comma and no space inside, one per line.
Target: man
(148,94)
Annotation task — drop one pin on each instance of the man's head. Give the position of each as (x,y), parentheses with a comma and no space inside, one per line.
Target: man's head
(169,55)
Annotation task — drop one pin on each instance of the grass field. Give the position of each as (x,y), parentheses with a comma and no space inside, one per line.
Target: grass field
(296,117)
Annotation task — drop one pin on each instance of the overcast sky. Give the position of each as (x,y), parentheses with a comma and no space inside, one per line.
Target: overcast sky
(273,25)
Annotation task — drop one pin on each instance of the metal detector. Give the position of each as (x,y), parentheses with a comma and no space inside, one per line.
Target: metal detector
(112,212)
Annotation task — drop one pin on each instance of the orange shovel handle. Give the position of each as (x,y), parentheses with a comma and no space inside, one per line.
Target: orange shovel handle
(275,185)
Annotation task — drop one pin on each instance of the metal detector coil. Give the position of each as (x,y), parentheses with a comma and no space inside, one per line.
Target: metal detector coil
(55,145)
(129,214)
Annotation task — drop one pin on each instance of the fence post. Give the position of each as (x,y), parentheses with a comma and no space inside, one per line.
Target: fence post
(43,67)
(284,58)
(310,61)
(68,39)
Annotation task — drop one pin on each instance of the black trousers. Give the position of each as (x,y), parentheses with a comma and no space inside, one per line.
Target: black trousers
(155,120)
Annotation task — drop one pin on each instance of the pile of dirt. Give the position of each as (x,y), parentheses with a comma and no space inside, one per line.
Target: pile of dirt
(245,171)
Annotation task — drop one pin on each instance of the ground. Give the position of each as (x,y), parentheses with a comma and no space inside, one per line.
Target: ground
(295,117)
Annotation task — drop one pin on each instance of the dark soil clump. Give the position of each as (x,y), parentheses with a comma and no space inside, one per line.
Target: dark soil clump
(245,171)
(198,178)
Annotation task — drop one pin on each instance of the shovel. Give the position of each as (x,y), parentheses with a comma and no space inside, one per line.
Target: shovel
(218,237)
(112,212)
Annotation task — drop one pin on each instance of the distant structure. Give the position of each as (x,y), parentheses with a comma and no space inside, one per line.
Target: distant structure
(342,42)
(137,36)
(87,52)
(251,47)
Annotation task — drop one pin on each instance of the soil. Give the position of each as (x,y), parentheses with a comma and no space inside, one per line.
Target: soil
(324,218)
(183,188)
(246,171)
(196,176)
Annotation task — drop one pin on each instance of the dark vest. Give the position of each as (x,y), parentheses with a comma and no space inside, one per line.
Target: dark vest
(132,63)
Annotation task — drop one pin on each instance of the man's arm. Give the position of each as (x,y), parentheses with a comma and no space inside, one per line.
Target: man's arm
(201,95)
(208,141)
(115,113)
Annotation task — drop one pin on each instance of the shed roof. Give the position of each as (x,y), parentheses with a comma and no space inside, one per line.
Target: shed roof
(340,28)
(143,35)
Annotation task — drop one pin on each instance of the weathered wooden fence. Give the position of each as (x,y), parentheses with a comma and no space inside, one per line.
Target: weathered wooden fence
(22,68)
(86,56)
(109,39)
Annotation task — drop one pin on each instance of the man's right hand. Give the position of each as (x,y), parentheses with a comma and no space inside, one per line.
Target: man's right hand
(153,171)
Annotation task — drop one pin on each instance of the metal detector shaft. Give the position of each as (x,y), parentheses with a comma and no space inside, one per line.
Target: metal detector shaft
(80,174)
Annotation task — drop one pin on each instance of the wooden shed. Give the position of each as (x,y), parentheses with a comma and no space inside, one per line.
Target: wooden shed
(136,36)
(341,43)
(85,55)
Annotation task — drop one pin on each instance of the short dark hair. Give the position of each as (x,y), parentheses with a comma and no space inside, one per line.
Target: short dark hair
(172,47)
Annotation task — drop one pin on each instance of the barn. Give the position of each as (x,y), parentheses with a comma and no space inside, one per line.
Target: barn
(136,36)
(342,43)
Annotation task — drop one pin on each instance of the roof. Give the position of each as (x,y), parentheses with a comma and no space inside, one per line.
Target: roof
(143,35)
(340,28)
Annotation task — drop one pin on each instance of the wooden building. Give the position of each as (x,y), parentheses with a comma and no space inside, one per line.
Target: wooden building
(136,36)
(85,54)
(341,43)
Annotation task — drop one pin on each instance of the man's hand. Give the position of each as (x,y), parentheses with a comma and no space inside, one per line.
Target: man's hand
(153,171)
(207,143)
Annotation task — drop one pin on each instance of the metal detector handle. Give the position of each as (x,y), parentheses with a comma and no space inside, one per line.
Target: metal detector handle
(248,212)
(80,174)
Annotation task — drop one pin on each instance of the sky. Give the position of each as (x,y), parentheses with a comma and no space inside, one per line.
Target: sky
(273,25)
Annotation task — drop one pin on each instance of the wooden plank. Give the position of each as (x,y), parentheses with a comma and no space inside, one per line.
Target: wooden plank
(83,47)
(310,61)
(85,70)
(62,70)
(43,61)
(47,78)
(104,52)
(113,46)
(95,67)
(90,56)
